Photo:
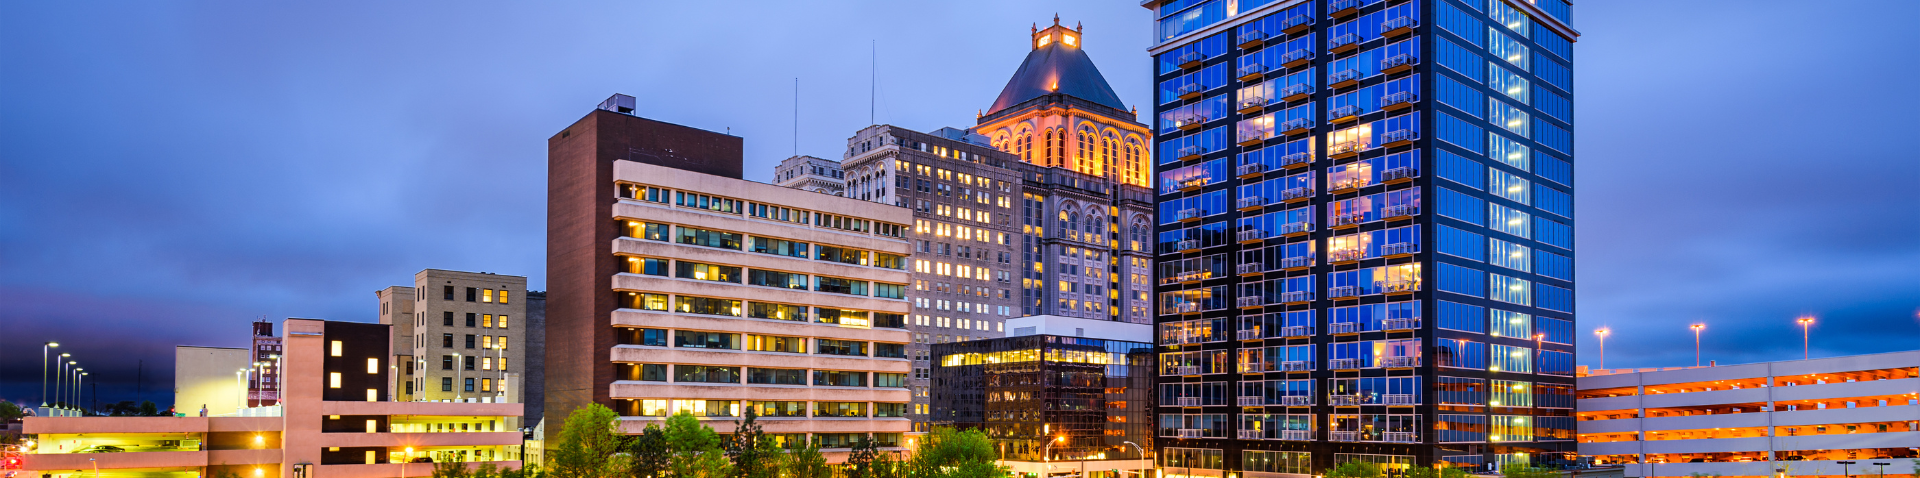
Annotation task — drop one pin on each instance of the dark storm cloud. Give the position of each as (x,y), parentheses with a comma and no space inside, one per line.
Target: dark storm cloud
(170,171)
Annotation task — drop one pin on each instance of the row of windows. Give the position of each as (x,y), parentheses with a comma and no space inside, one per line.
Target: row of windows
(1503,323)
(760,244)
(781,409)
(683,373)
(758,343)
(755,309)
(760,277)
(725,205)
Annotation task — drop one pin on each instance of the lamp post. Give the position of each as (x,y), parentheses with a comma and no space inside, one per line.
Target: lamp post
(78,390)
(1602,333)
(45,349)
(59,377)
(1806,337)
(1696,342)
(459,368)
(1143,456)
(1844,468)
(1883,468)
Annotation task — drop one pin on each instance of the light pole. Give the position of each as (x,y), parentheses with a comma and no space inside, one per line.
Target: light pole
(1696,342)
(1602,333)
(1539,352)
(459,369)
(1143,456)
(1806,337)
(45,349)
(1883,468)
(1844,468)
(78,390)
(59,381)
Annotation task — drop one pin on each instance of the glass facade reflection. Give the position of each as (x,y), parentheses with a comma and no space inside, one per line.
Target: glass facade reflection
(1028,391)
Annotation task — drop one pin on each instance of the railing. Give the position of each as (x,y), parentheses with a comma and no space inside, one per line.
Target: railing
(1344,112)
(1190,60)
(1399,248)
(1247,269)
(1398,437)
(1296,331)
(1402,172)
(1187,244)
(1348,255)
(1190,120)
(1296,401)
(1345,148)
(1186,370)
(1295,262)
(1338,6)
(1188,214)
(1399,135)
(1248,138)
(1343,41)
(1250,302)
(1253,69)
(1189,89)
(1398,286)
(1343,327)
(1190,151)
(1247,334)
(1252,202)
(1295,124)
(1252,102)
(1296,193)
(1343,436)
(1400,210)
(1346,400)
(1398,23)
(1296,227)
(1250,169)
(1296,158)
(1400,362)
(1250,236)
(1398,399)
(1344,364)
(1296,366)
(1250,434)
(1344,76)
(1295,21)
(1296,435)
(1349,219)
(1399,60)
(1297,89)
(1349,183)
(1190,433)
(1401,324)
(1252,38)
(1252,401)
(1296,296)
(1187,401)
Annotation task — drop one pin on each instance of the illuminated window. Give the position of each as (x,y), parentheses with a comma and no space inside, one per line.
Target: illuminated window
(487,296)
(335,351)
(486,321)
(373,365)
(333,380)
(503,322)
(503,296)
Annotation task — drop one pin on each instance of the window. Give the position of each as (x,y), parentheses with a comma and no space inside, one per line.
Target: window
(1554,137)
(333,380)
(1461,60)
(840,347)
(706,272)
(446,318)
(1462,280)
(703,237)
(767,310)
(1461,133)
(486,295)
(1555,298)
(1507,151)
(1553,72)
(502,322)
(466,362)
(446,384)
(1462,244)
(1508,358)
(472,294)
(889,350)
(1507,323)
(373,365)
(711,203)
(446,362)
(779,409)
(1463,317)
(1458,205)
(470,340)
(334,348)
(775,343)
(468,386)
(1509,255)
(840,409)
(1554,233)
(776,376)
(894,380)
(1512,290)
(706,340)
(1507,220)
(1553,265)
(780,247)
(447,291)
(642,301)
(838,378)
(473,320)
(1459,96)
(839,286)
(705,374)
(707,306)
(1507,48)
(1505,81)
(1460,353)
(1508,117)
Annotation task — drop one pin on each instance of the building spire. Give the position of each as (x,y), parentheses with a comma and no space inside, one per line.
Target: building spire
(1056,19)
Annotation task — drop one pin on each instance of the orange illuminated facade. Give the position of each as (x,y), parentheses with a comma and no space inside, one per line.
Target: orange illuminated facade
(1058,111)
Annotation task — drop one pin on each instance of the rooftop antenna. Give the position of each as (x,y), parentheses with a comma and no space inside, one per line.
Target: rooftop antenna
(796,116)
(873,80)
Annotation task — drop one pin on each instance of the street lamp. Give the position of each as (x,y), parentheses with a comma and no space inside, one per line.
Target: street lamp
(59,381)
(1883,468)
(1696,342)
(1843,468)
(78,390)
(44,370)
(1602,333)
(1806,336)
(1143,456)
(459,369)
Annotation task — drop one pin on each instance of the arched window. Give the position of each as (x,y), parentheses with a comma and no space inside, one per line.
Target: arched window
(1086,147)
(1026,146)
(1096,224)
(1072,222)
(1140,233)
(1107,158)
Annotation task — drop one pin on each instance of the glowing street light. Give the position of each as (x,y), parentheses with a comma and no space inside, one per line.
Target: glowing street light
(1806,337)
(1602,333)
(1696,342)
(45,349)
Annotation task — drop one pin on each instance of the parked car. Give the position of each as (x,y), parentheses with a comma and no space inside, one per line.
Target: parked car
(423,459)
(103,449)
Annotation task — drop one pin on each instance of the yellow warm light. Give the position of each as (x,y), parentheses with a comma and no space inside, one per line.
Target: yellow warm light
(1045,39)
(1068,39)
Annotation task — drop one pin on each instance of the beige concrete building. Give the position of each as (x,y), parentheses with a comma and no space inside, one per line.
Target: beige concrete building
(679,291)
(457,336)
(332,421)
(208,377)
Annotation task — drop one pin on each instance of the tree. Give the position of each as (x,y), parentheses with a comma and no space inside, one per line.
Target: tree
(1518,470)
(860,462)
(1437,471)
(588,444)
(695,449)
(1356,469)
(649,452)
(807,462)
(754,454)
(148,409)
(9,411)
(947,452)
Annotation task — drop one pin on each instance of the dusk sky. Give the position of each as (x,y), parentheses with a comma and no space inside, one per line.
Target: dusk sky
(170,171)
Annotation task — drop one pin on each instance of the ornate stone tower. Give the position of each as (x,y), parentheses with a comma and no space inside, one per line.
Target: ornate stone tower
(1058,111)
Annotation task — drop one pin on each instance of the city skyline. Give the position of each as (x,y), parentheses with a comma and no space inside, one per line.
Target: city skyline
(366,166)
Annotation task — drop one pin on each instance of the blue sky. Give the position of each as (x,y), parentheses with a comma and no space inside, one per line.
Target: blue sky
(170,171)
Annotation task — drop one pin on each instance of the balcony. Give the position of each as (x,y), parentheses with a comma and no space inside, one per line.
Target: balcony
(1342,8)
(1295,92)
(1252,334)
(1297,401)
(1252,203)
(1251,169)
(1296,435)
(1295,194)
(1399,286)
(1248,269)
(1189,433)
(1398,437)
(1295,228)
(1398,63)
(1250,138)
(1399,137)
(1252,402)
(1295,126)
(1250,434)
(1188,215)
(1398,101)
(1251,105)
(1296,331)
(1300,262)
(1401,324)
(1400,362)
(1252,72)
(1252,39)
(1250,302)
(1296,24)
(1349,220)
(1190,122)
(1348,185)
(1399,399)
(1190,91)
(1296,58)
(1344,114)
(1187,245)
(1251,236)
(1187,370)
(1190,152)
(1343,328)
(1398,26)
(1186,401)
(1190,60)
(1296,160)
(1344,256)
(1347,400)
(1345,150)
(1400,210)
(1188,277)
(1343,43)
(1296,366)
(1193,184)
(1343,78)
(1343,436)
(1399,175)
(1296,297)
(1400,249)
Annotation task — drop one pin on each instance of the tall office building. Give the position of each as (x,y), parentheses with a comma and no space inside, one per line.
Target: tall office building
(263,389)
(678,287)
(457,336)
(1017,216)
(1313,308)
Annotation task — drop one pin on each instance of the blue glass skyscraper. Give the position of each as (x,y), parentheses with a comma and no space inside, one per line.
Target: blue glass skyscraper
(1365,238)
